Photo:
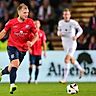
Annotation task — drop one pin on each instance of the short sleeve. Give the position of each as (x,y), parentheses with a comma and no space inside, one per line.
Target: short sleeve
(59,28)
(8,25)
(76,24)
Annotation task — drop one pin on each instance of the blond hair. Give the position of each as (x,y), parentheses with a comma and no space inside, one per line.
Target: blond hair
(66,9)
(22,5)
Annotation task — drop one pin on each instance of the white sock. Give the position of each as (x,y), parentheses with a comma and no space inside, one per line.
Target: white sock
(78,65)
(12,84)
(66,71)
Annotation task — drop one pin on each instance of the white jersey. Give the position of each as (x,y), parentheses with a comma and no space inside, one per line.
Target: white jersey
(68,31)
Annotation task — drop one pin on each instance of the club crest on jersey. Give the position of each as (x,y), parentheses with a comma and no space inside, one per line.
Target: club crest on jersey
(40,35)
(21,32)
(27,26)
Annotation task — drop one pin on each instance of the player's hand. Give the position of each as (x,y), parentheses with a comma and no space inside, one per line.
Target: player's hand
(44,54)
(30,50)
(59,33)
(75,38)
(29,44)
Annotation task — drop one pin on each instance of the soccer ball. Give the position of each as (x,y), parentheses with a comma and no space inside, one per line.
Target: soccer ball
(72,88)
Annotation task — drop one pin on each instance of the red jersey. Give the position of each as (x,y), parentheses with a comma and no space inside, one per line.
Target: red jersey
(20,33)
(37,47)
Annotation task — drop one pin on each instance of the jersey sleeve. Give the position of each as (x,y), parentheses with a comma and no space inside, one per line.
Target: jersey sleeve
(59,28)
(8,25)
(79,29)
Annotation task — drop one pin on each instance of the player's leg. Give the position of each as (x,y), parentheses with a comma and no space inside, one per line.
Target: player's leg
(36,74)
(66,60)
(7,69)
(3,72)
(66,69)
(15,64)
(38,63)
(32,62)
(16,58)
(0,74)
(30,73)
(75,62)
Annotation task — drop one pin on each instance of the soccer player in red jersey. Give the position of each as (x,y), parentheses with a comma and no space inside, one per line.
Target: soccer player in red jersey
(20,38)
(35,52)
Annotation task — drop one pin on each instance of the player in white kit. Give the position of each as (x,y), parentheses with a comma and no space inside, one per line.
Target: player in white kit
(67,30)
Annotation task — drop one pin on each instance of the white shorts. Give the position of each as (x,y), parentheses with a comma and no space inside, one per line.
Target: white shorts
(69,46)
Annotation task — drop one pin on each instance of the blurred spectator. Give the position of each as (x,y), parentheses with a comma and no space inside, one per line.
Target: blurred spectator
(32,15)
(82,43)
(1,25)
(64,4)
(92,44)
(27,2)
(39,2)
(6,36)
(55,30)
(33,9)
(92,23)
(6,17)
(13,11)
(56,5)
(9,4)
(2,10)
(49,45)
(46,15)
(84,27)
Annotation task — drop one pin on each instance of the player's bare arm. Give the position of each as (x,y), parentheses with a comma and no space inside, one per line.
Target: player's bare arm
(44,48)
(2,33)
(75,38)
(30,43)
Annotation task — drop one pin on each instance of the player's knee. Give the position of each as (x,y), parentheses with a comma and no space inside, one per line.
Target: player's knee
(73,61)
(37,67)
(15,63)
(67,61)
(30,66)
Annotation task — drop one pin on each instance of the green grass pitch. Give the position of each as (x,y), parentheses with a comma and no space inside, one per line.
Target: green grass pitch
(47,89)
